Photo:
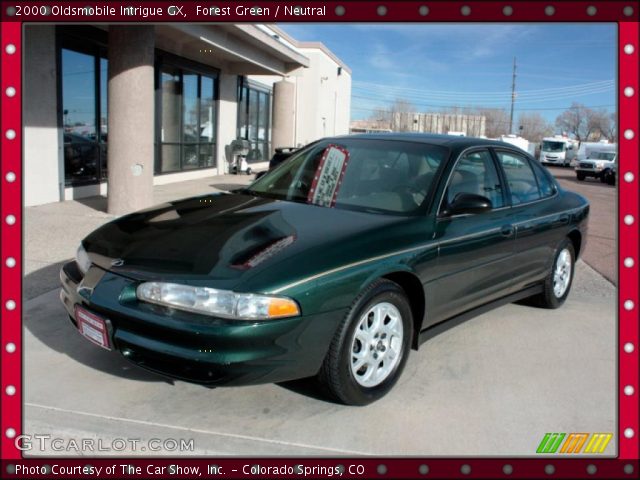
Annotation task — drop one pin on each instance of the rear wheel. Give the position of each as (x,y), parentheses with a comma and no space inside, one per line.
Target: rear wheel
(557,284)
(371,346)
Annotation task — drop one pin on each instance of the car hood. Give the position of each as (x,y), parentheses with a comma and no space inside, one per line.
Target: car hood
(242,242)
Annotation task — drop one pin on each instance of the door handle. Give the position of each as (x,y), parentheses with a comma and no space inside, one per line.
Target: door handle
(507,231)
(564,219)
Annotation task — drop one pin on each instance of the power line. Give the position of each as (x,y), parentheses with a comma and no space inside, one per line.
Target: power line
(480,107)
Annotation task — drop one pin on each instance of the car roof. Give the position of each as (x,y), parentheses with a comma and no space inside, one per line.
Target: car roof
(450,141)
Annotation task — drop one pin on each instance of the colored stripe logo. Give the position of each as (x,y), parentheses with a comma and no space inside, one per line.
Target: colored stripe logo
(574,442)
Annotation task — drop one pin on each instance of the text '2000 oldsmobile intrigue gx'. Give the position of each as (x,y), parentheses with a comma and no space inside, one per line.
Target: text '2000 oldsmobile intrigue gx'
(335,264)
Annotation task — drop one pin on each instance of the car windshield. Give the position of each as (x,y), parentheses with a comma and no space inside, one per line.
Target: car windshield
(383,176)
(548,146)
(610,156)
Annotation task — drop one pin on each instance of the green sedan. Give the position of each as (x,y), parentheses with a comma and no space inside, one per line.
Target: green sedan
(336,264)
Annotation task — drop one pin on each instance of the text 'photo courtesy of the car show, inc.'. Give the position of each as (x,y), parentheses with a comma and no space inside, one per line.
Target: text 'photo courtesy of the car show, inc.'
(319,239)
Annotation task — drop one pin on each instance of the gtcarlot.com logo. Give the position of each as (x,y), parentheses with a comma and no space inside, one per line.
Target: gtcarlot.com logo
(574,443)
(47,443)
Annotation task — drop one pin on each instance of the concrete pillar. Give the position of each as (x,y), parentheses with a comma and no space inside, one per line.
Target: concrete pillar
(43,171)
(131,118)
(282,134)
(227,119)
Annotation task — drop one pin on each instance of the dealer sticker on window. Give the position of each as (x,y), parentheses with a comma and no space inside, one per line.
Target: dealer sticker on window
(328,176)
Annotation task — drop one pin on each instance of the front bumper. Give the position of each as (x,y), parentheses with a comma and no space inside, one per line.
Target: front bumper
(198,348)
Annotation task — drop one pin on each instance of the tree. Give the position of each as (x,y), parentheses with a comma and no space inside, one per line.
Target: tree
(586,124)
(496,121)
(534,127)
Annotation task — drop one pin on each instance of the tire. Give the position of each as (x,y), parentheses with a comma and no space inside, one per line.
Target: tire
(603,177)
(557,286)
(383,303)
(580,176)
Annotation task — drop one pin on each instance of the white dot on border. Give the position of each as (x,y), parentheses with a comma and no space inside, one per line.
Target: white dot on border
(628,469)
(628,49)
(11,347)
(10,177)
(381,10)
(628,305)
(10,432)
(10,91)
(629,390)
(507,469)
(423,10)
(10,219)
(629,177)
(628,134)
(628,347)
(628,262)
(10,305)
(10,262)
(627,11)
(628,219)
(591,10)
(507,11)
(340,10)
(10,134)
(629,433)
(10,49)
(549,10)
(10,390)
(629,91)
(549,469)
(465,10)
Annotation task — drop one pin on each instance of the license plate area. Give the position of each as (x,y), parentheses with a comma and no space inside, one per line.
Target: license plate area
(93,327)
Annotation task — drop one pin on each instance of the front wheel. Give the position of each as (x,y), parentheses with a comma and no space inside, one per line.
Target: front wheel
(370,347)
(580,176)
(557,284)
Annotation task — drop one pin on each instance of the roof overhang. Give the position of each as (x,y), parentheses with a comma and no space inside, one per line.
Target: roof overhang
(239,49)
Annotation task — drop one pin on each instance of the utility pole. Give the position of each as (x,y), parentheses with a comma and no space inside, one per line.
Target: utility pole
(513,95)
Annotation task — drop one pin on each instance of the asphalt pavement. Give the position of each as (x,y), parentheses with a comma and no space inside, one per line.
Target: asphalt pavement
(492,386)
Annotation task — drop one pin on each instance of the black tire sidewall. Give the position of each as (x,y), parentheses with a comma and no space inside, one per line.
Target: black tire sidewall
(353,392)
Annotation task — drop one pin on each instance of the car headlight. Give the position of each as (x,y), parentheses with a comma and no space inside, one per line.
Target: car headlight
(222,303)
(82,259)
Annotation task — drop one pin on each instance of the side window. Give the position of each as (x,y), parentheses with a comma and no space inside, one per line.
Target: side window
(520,177)
(547,188)
(476,173)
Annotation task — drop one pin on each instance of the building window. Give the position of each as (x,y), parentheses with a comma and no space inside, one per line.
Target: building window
(84,114)
(187,119)
(254,119)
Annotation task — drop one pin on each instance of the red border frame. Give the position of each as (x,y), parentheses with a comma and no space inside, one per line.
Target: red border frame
(523,11)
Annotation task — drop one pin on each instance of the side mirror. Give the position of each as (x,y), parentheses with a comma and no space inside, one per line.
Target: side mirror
(469,203)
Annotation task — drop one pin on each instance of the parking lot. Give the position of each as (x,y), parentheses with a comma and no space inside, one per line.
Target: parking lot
(492,386)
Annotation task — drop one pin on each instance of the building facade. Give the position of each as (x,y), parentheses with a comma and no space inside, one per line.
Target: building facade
(116,109)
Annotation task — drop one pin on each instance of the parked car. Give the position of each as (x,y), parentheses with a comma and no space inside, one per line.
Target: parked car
(598,165)
(335,265)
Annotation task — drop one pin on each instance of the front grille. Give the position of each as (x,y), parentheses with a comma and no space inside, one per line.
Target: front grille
(585,165)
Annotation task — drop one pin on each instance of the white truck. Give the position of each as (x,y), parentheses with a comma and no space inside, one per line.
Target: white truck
(558,150)
(599,164)
(587,148)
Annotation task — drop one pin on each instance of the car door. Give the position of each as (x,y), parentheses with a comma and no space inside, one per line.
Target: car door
(474,264)
(538,223)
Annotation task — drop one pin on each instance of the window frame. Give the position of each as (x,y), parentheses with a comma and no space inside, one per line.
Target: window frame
(245,83)
(89,41)
(506,194)
(527,159)
(165,59)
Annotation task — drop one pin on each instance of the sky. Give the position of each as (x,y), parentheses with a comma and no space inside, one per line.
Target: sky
(443,65)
